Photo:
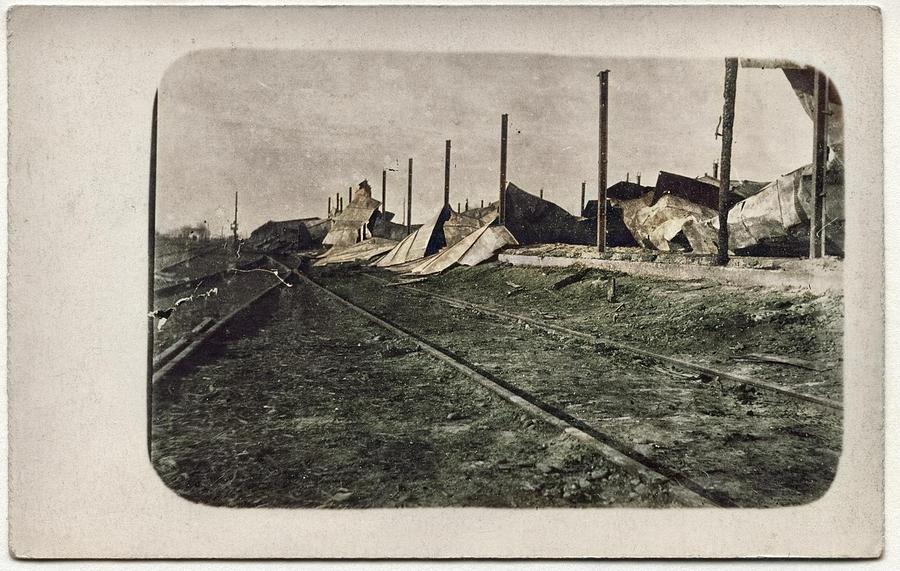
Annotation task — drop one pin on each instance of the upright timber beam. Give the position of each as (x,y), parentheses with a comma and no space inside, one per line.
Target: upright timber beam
(601,162)
(820,160)
(383,192)
(329,206)
(234,225)
(447,175)
(349,194)
(581,210)
(504,131)
(409,201)
(731,69)
(151,267)
(337,202)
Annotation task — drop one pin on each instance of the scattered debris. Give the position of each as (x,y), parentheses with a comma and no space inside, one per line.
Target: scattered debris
(405,282)
(785,360)
(611,291)
(570,279)
(273,272)
(165,314)
(342,496)
(361,252)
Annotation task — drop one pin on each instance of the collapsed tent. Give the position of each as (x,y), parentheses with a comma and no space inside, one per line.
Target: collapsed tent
(672,223)
(533,220)
(288,235)
(445,229)
(352,225)
(477,247)
(775,221)
(617,233)
(384,227)
(361,252)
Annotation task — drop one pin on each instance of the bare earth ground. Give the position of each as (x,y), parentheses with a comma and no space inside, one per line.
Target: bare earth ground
(750,446)
(695,320)
(305,404)
(316,407)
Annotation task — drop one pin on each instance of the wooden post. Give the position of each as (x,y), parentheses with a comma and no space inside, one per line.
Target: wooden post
(234,225)
(467,204)
(337,202)
(383,186)
(602,162)
(581,210)
(459,207)
(820,160)
(329,206)
(482,203)
(409,201)
(504,126)
(447,175)
(731,69)
(349,195)
(151,254)
(342,204)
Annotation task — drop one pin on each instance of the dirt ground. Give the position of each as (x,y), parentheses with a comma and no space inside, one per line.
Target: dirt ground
(312,406)
(303,403)
(747,445)
(696,320)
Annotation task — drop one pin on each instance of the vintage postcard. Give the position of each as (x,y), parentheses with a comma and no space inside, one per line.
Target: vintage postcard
(420,282)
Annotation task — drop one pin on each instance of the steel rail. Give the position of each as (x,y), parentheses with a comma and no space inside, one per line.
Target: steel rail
(828,404)
(684,488)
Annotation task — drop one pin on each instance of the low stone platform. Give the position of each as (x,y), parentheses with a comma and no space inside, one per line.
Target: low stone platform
(818,276)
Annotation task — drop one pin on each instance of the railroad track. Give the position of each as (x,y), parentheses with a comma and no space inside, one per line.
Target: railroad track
(826,404)
(684,488)
(171,357)
(683,485)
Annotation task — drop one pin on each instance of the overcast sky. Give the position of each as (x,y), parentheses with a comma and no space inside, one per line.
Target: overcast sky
(287,129)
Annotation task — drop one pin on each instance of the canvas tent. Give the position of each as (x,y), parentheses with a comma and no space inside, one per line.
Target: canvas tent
(360,252)
(533,220)
(775,221)
(353,224)
(478,246)
(445,229)
(669,224)
(279,236)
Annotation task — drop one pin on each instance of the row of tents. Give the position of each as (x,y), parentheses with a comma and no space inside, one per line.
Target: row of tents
(677,214)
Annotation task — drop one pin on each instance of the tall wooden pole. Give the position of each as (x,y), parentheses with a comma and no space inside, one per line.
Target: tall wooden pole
(383,192)
(820,160)
(329,206)
(504,127)
(234,225)
(447,175)
(581,210)
(349,194)
(337,201)
(151,255)
(731,69)
(602,161)
(409,201)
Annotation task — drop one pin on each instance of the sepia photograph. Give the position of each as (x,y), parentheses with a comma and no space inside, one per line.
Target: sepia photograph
(464,283)
(406,279)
